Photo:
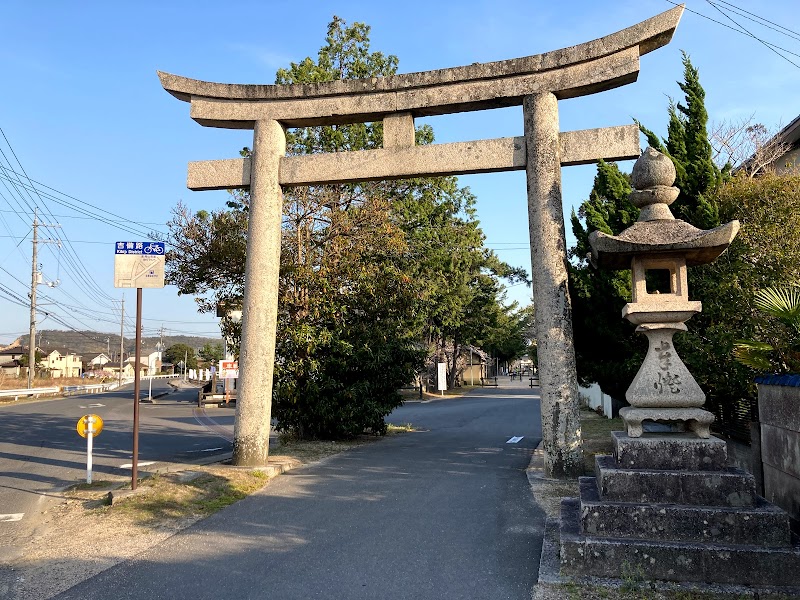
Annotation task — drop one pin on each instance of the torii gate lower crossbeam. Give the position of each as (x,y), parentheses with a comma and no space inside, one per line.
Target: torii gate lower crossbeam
(535,82)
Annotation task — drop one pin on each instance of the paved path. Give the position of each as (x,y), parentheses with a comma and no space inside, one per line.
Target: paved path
(445,512)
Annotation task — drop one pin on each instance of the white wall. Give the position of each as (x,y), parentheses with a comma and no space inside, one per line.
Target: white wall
(593,397)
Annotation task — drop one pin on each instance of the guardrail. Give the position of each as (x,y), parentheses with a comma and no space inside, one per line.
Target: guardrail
(35,392)
(70,390)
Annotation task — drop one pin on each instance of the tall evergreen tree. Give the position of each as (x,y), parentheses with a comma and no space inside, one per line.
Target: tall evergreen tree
(688,146)
(605,350)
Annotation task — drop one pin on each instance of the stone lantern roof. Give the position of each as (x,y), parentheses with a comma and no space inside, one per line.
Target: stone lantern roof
(658,232)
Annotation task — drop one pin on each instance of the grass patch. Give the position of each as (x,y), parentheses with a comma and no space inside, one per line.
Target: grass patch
(313,450)
(409,393)
(596,434)
(170,497)
(95,485)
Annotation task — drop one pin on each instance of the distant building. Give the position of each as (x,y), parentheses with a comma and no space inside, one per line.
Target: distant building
(10,360)
(153,360)
(787,142)
(62,364)
(99,361)
(128,369)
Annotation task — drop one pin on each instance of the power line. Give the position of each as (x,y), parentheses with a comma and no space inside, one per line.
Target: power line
(93,219)
(107,243)
(132,226)
(768,44)
(746,32)
(71,255)
(785,30)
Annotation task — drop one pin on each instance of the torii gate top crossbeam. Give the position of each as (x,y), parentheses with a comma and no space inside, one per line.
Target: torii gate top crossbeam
(587,68)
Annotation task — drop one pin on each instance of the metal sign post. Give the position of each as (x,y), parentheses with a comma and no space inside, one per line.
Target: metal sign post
(139,265)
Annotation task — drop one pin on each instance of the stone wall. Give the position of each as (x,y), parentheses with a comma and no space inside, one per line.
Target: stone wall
(779,416)
(740,455)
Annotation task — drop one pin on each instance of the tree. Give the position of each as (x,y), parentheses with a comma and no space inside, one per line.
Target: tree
(606,350)
(782,353)
(749,147)
(761,256)
(23,360)
(212,353)
(689,148)
(508,339)
(181,353)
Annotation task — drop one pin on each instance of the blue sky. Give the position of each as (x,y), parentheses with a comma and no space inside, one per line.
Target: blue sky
(83,111)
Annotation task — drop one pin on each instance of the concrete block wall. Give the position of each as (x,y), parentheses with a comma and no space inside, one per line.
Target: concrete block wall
(779,416)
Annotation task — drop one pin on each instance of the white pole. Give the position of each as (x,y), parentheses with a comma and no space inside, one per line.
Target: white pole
(89,436)
(471,372)
(150,389)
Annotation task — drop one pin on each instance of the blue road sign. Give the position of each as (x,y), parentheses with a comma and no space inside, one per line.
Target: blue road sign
(147,248)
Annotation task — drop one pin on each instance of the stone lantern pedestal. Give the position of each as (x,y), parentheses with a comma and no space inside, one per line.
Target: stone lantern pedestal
(665,505)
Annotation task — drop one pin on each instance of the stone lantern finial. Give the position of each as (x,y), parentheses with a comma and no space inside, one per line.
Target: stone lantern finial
(652,179)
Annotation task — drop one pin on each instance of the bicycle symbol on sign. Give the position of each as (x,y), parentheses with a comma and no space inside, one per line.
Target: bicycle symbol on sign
(154,249)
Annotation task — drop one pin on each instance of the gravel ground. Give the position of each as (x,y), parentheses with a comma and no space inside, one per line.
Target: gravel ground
(71,545)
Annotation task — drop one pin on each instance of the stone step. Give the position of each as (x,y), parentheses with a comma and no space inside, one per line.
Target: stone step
(670,452)
(729,487)
(762,525)
(673,561)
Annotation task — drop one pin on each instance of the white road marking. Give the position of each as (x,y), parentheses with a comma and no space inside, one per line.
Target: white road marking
(11,517)
(205,450)
(515,439)
(141,464)
(96,405)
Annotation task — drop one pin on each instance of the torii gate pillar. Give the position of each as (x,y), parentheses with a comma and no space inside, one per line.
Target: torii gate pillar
(552,309)
(260,308)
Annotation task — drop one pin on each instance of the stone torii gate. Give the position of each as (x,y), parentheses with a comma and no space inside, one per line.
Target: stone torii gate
(535,82)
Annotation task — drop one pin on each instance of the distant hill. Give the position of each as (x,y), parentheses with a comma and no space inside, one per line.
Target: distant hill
(89,344)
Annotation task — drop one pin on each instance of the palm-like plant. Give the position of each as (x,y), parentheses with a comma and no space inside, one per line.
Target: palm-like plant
(782,353)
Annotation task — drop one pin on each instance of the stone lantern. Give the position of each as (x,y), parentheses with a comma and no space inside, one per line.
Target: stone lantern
(658,248)
(665,503)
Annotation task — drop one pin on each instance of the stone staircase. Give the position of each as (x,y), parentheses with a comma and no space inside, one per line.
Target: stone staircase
(666,506)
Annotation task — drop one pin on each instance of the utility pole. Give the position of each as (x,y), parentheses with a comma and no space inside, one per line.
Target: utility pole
(34,282)
(121,338)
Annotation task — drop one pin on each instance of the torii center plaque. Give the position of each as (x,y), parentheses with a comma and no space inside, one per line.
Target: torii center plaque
(535,82)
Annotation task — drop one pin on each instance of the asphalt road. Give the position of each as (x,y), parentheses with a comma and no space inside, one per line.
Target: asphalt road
(445,512)
(41,451)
